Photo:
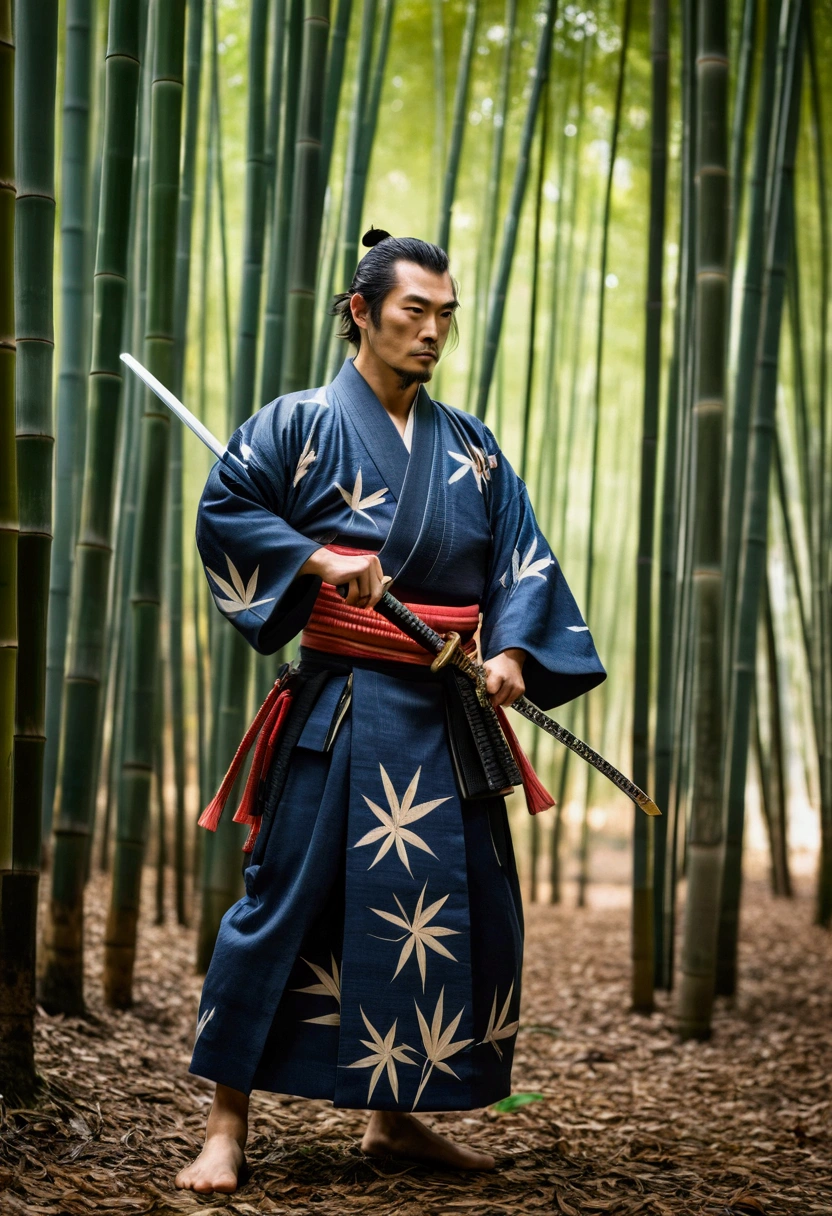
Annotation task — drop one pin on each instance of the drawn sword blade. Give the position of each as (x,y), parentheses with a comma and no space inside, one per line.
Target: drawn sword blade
(182,413)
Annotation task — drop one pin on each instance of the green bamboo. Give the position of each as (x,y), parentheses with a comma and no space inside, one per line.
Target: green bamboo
(35,60)
(750,315)
(17,1067)
(488,230)
(334,80)
(245,363)
(61,987)
(775,786)
(159,782)
(353,197)
(221,873)
(754,534)
(127,481)
(274,318)
(438,145)
(499,287)
(642,943)
(74,362)
(673,698)
(458,123)
(275,95)
(370,119)
(216,127)
(147,563)
(712,307)
(822,500)
(739,118)
(307,203)
(174,575)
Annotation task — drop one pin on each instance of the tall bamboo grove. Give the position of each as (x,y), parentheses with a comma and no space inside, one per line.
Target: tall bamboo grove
(61,981)
(148,546)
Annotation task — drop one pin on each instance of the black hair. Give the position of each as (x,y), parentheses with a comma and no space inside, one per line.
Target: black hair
(375,276)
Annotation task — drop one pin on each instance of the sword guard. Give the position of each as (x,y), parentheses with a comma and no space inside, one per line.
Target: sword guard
(446,654)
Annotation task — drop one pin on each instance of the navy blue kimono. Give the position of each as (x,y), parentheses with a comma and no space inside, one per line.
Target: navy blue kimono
(375,958)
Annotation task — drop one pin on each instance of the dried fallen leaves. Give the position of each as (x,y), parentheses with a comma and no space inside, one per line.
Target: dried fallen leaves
(631,1121)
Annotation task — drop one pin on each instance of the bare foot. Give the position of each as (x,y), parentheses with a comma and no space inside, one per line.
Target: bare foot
(390,1134)
(218,1166)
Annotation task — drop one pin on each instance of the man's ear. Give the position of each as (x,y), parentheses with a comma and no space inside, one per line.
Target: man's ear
(359,309)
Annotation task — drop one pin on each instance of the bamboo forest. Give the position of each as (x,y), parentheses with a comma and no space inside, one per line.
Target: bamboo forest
(635,203)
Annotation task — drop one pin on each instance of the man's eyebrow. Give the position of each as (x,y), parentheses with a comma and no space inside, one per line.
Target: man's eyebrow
(413,298)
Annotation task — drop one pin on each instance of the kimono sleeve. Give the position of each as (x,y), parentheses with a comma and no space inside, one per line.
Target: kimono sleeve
(251,553)
(527,603)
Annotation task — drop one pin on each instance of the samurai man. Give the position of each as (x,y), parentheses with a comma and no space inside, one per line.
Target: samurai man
(375,958)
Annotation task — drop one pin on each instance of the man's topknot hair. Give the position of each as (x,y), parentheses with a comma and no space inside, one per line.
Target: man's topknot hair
(375,275)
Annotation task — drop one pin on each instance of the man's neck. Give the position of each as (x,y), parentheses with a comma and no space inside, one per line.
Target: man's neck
(386,384)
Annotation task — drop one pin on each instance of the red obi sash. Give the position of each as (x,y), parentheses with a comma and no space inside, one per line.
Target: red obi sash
(339,628)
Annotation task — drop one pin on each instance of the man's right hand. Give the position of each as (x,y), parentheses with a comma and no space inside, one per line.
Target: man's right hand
(361,571)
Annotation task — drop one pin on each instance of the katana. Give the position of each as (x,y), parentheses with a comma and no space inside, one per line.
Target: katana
(444,649)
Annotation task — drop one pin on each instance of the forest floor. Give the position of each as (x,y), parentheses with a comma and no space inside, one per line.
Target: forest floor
(631,1121)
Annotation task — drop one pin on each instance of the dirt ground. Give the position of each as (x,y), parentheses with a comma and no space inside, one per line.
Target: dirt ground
(630,1121)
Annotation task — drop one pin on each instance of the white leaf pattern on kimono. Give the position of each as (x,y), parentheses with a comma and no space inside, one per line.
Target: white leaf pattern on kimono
(393,828)
(419,932)
(240,596)
(497,1028)
(438,1043)
(307,457)
(330,985)
(527,568)
(477,461)
(203,1022)
(360,505)
(383,1055)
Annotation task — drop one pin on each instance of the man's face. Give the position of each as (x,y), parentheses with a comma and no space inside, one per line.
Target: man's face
(414,324)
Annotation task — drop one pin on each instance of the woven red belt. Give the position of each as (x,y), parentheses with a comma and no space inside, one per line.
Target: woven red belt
(339,628)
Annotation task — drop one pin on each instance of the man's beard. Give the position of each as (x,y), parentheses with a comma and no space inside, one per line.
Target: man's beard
(407,379)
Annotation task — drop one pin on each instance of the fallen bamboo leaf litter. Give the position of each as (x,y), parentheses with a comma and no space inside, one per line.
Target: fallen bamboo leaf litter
(630,1120)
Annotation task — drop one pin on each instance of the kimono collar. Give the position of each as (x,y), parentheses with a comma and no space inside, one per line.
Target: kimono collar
(407,475)
(376,429)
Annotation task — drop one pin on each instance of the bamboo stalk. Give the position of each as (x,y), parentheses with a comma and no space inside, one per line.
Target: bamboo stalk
(499,287)
(334,80)
(17,1066)
(160,358)
(778,796)
(307,203)
(174,574)
(458,123)
(488,231)
(61,986)
(822,499)
(221,853)
(709,372)
(274,318)
(754,536)
(750,314)
(70,406)
(642,943)
(673,701)
(33,111)
(438,147)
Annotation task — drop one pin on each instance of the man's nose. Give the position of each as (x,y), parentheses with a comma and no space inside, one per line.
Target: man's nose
(430,330)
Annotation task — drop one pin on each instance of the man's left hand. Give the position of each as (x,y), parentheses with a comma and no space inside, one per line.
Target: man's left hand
(504,677)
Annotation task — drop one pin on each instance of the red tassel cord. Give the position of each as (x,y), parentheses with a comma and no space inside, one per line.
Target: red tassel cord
(538,797)
(271,715)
